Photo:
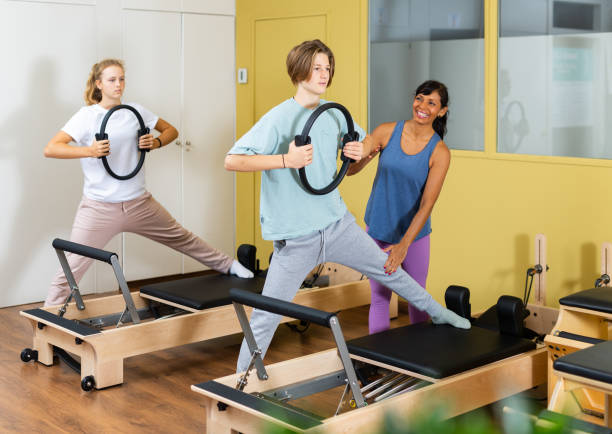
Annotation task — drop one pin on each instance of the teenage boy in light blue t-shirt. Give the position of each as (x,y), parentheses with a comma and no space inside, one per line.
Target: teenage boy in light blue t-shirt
(308,229)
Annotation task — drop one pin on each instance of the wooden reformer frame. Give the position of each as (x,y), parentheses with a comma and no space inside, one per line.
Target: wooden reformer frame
(134,331)
(228,409)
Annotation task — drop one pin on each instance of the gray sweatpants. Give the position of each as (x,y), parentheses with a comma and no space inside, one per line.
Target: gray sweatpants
(343,242)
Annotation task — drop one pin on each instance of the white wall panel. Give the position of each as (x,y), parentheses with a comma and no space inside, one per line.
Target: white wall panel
(51,48)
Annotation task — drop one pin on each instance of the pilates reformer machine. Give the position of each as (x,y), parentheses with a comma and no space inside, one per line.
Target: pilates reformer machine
(580,354)
(401,371)
(103,331)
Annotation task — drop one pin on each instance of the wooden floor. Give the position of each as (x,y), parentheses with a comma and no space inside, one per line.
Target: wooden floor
(155,396)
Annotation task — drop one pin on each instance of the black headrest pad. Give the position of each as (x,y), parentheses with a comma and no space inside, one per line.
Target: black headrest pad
(599,299)
(202,292)
(593,362)
(438,351)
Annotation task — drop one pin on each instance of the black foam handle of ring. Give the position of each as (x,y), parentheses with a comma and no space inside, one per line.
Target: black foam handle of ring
(348,137)
(304,139)
(83,250)
(281,307)
(141,132)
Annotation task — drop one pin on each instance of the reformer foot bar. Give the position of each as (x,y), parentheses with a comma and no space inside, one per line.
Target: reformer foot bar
(412,367)
(579,356)
(103,331)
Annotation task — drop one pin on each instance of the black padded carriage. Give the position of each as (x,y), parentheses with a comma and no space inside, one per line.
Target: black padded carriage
(592,363)
(438,351)
(202,292)
(598,299)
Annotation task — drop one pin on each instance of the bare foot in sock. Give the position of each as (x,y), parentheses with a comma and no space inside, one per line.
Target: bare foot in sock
(239,270)
(449,317)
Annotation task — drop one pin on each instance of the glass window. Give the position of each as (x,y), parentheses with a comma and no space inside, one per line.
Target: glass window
(415,40)
(555,77)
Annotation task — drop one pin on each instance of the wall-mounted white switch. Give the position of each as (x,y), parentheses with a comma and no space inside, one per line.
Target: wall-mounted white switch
(242,75)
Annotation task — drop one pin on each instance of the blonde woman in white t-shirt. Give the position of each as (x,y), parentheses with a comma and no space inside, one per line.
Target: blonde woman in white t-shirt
(110,206)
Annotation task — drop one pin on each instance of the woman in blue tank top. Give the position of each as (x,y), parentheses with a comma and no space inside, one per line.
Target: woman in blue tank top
(411,170)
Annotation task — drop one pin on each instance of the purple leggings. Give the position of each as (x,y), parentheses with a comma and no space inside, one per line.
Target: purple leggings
(416,264)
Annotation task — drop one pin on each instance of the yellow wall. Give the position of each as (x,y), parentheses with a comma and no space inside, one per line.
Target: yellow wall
(487,216)
(492,205)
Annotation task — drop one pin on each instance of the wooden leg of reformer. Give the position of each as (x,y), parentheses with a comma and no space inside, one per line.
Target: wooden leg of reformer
(214,423)
(106,372)
(44,348)
(229,421)
(213,427)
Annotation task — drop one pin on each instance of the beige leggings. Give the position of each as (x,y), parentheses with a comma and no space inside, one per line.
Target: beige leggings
(97,222)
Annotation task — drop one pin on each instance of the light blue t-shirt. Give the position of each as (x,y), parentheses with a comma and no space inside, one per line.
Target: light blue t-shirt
(287,210)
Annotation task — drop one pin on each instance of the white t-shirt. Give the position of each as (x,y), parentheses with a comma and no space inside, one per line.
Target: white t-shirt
(122,129)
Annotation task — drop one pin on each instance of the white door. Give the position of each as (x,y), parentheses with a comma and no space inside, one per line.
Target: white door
(208,126)
(152,55)
(48,50)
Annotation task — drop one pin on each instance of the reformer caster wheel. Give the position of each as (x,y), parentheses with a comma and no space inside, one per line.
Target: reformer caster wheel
(28,354)
(88,383)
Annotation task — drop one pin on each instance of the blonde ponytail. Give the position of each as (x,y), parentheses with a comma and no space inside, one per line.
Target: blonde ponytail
(92,93)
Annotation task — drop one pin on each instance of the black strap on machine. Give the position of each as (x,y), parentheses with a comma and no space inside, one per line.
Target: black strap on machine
(141,132)
(304,139)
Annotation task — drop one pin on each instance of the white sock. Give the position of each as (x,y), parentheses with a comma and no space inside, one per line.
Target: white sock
(237,269)
(449,317)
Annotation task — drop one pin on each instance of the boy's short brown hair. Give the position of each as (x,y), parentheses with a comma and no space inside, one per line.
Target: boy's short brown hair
(301,57)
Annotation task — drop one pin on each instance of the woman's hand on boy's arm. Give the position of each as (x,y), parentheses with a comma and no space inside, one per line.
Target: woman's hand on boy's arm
(366,151)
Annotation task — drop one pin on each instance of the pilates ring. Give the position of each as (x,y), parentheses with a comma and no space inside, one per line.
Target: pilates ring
(141,132)
(304,139)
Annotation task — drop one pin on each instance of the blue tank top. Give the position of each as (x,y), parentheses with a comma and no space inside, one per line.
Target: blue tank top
(397,190)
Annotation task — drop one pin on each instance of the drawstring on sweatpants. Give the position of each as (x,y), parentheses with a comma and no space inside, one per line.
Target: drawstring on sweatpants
(322,251)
